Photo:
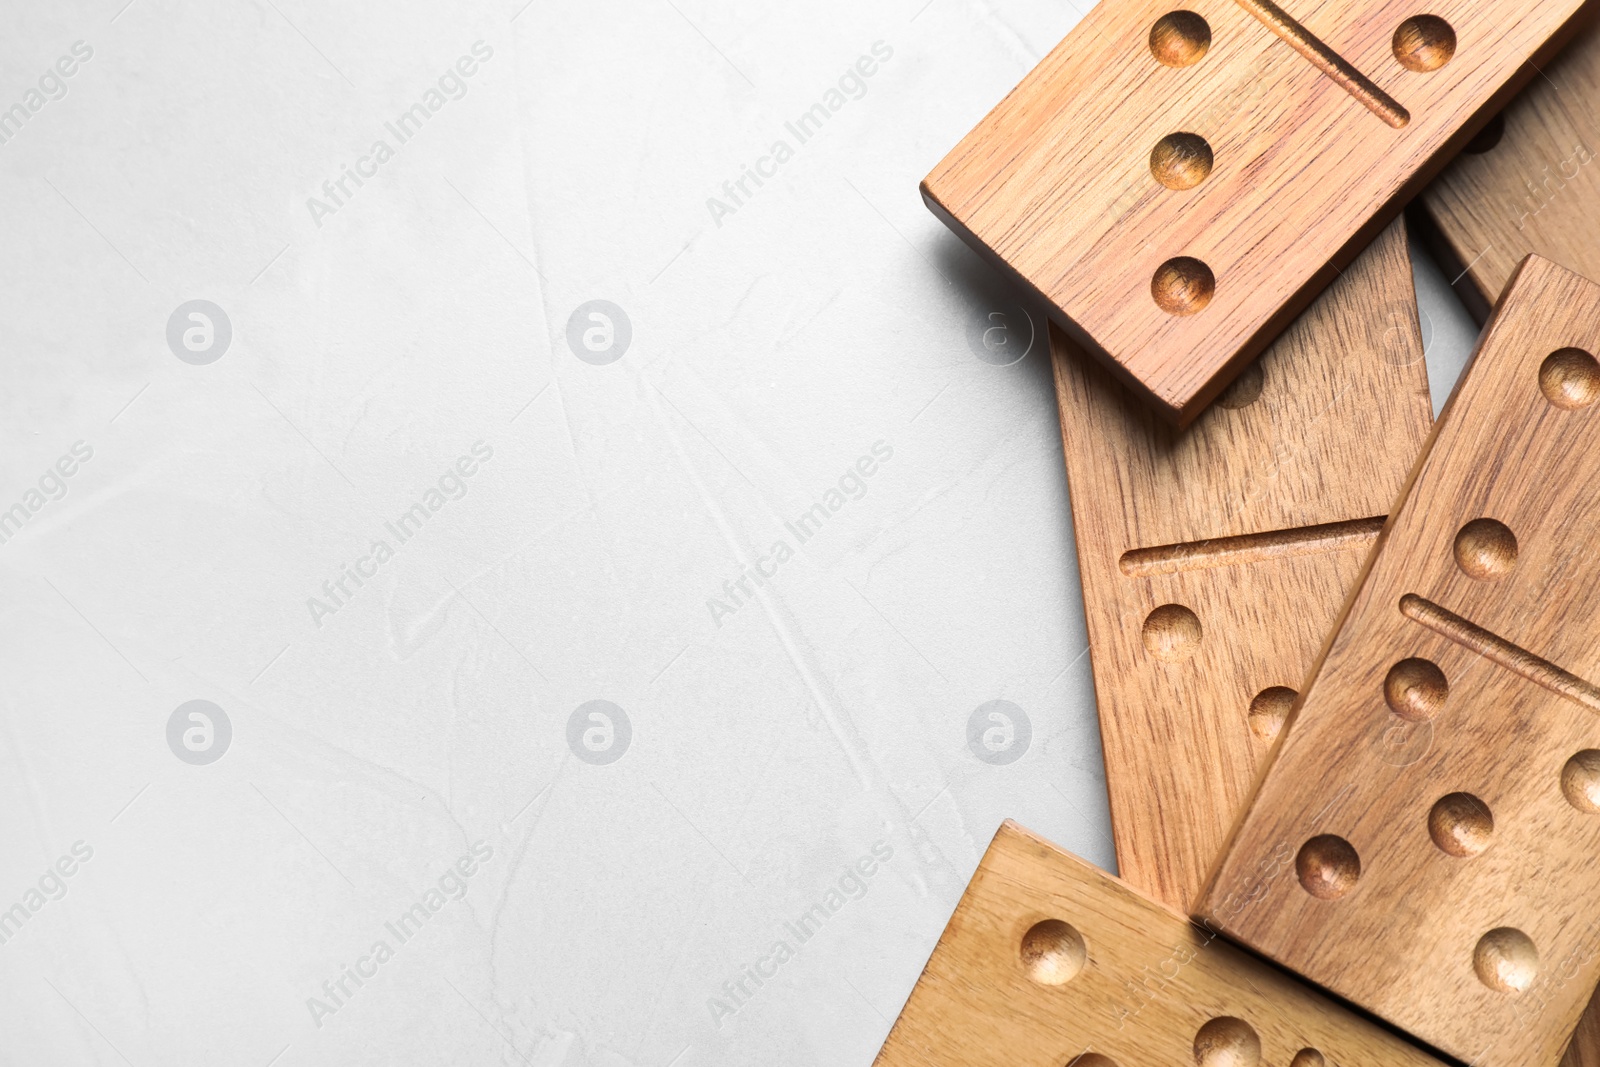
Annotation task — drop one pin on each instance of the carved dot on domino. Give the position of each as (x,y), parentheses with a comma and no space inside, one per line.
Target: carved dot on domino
(1053,952)
(1461,825)
(1183,285)
(1415,689)
(1486,549)
(1424,43)
(1570,379)
(1180,39)
(1181,160)
(1172,633)
(1506,960)
(1269,710)
(1580,781)
(1227,1042)
(1327,866)
(1308,1057)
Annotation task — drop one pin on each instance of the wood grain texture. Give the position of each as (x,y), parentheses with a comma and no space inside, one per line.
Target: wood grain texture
(1528,185)
(1534,188)
(1135,983)
(1424,842)
(1068,185)
(1257,520)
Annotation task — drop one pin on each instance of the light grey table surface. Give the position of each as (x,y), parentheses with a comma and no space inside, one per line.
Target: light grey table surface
(468,432)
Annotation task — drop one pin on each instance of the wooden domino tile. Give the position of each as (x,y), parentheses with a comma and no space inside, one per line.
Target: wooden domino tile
(1049,961)
(1425,841)
(1214,560)
(1177,184)
(1529,184)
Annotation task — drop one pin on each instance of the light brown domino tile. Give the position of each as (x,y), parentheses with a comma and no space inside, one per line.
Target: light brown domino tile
(1426,840)
(1049,961)
(1214,560)
(1178,180)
